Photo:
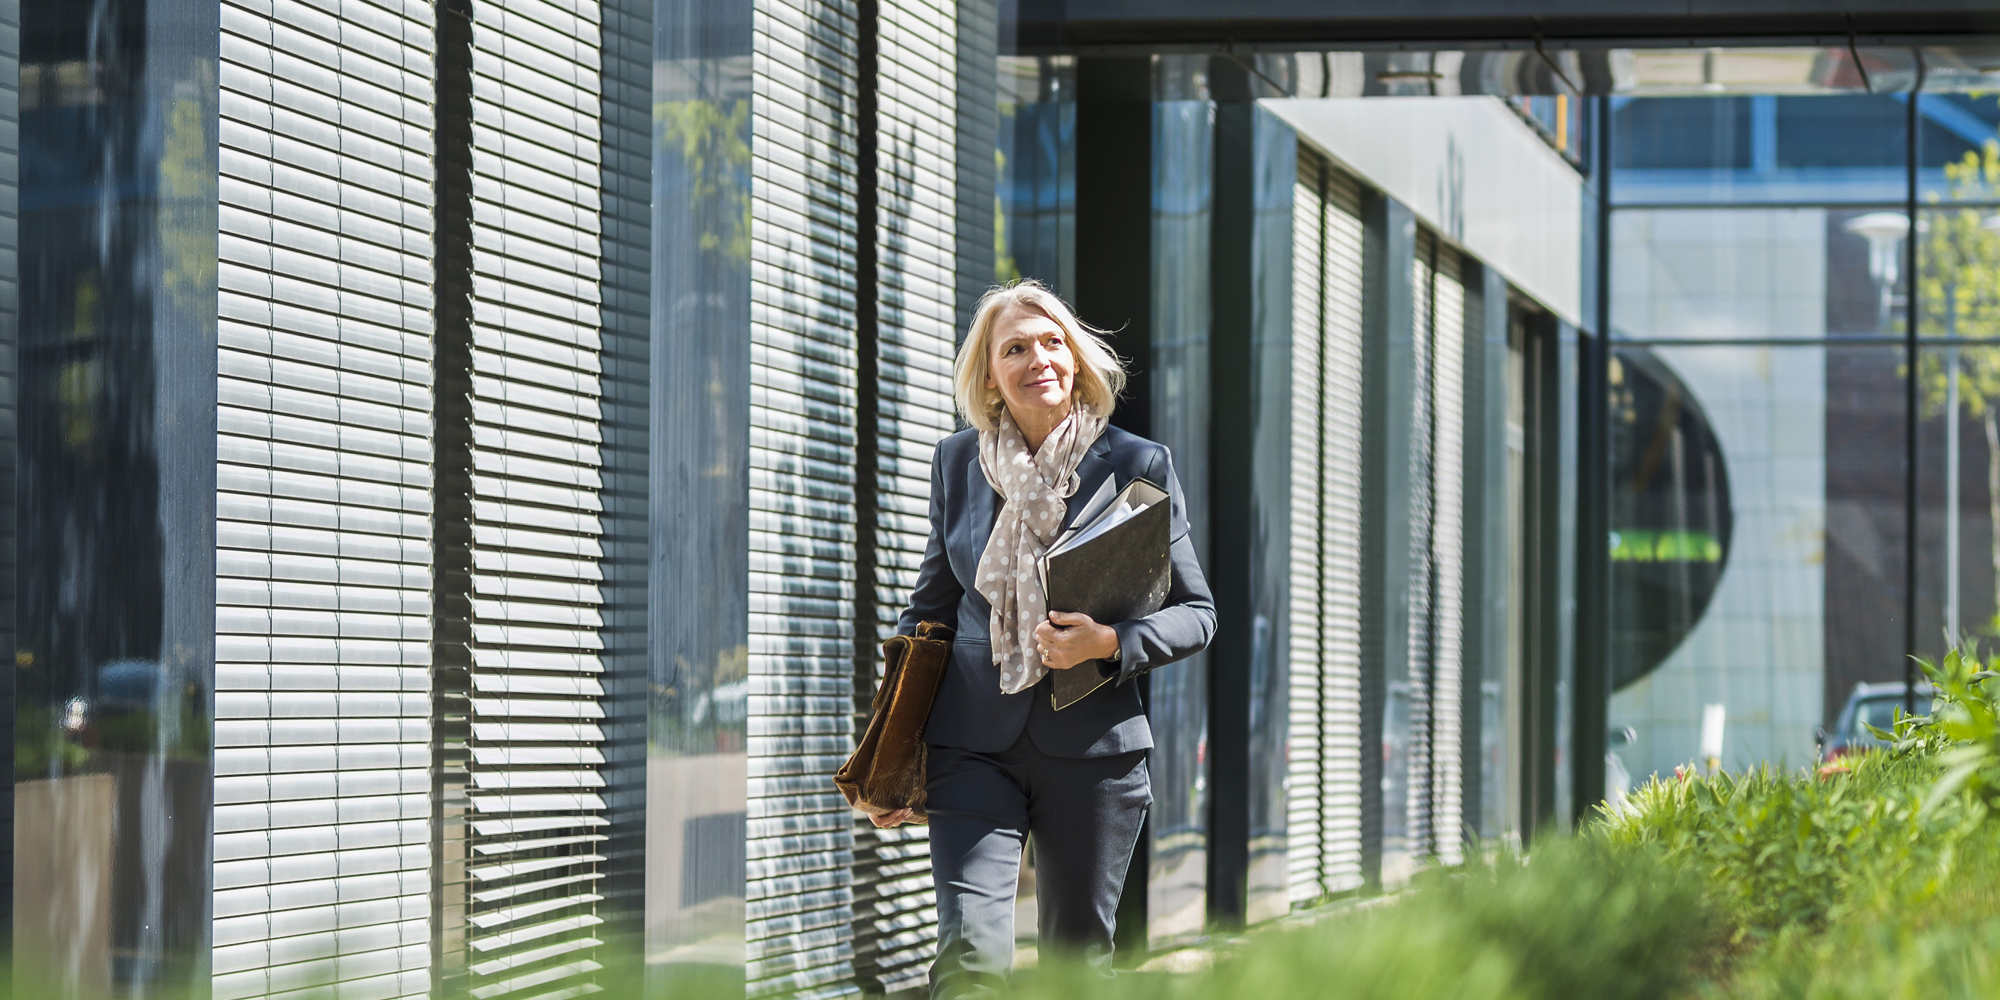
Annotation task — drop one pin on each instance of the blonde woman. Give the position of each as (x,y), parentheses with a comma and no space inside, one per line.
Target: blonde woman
(1038,389)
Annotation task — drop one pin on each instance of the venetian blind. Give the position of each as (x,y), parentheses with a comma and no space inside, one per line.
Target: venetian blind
(323,500)
(1302,743)
(532,840)
(1340,539)
(802,497)
(1448,558)
(917,299)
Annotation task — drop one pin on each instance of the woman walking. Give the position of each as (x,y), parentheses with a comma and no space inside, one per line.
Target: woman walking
(1038,388)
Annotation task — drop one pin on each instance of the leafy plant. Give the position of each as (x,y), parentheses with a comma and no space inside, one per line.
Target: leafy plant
(1963,728)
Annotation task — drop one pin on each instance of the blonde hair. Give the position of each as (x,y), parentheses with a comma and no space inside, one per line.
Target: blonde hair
(1099,376)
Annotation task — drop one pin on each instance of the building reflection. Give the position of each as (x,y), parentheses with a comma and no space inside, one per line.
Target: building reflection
(114,637)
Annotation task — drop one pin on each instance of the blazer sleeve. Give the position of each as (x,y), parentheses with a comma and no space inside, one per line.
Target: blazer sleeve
(938,591)
(1184,626)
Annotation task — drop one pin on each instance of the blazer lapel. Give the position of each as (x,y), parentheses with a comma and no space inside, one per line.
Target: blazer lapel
(1090,474)
(981,508)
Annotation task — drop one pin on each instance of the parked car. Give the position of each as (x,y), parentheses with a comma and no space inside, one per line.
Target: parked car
(1869,705)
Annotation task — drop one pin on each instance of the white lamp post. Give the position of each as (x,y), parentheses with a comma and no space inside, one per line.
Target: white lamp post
(1884,232)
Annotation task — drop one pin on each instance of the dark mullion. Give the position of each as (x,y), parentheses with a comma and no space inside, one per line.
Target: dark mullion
(1323,181)
(1593,571)
(1911,400)
(867,440)
(867,346)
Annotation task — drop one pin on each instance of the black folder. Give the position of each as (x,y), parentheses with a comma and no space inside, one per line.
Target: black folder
(1115,568)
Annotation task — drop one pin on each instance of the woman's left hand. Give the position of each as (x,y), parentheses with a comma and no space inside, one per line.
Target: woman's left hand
(1068,639)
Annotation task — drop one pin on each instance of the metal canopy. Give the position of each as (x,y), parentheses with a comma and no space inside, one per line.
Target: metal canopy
(1293,25)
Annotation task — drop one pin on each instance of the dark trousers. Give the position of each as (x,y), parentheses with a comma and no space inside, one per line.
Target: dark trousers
(1085,815)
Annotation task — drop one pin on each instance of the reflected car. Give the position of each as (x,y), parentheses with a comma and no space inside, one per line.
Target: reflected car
(128,686)
(1869,705)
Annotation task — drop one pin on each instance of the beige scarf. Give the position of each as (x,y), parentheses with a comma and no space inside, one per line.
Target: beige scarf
(1034,490)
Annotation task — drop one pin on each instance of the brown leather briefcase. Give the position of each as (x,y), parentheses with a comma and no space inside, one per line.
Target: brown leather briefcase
(886,772)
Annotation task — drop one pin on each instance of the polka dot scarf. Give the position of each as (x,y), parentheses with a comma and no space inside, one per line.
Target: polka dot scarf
(1034,490)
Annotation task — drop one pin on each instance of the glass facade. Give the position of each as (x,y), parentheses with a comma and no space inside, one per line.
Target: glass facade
(701,114)
(1182,191)
(465,457)
(1763,492)
(113,458)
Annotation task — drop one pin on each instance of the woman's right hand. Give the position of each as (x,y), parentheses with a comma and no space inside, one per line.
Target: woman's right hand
(888,821)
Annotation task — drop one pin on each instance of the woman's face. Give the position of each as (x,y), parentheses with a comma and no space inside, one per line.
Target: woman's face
(1031,363)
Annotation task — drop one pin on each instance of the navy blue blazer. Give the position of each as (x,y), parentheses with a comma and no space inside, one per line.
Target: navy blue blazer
(970,712)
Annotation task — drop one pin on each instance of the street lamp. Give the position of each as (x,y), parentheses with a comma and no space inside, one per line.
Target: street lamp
(1884,232)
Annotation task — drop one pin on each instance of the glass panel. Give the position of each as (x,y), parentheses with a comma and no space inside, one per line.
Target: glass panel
(1758,273)
(1958,147)
(1958,456)
(1728,273)
(1958,270)
(1500,697)
(1762,149)
(1757,505)
(1183,167)
(115,661)
(1035,227)
(696,772)
(1756,519)
(1958,298)
(1865,257)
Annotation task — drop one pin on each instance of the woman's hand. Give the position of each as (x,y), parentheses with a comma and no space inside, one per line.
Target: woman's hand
(890,820)
(1068,639)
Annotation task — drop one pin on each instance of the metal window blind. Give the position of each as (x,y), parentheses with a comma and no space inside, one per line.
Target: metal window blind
(1302,743)
(1324,752)
(1448,556)
(1340,553)
(528,885)
(917,306)
(802,497)
(324,496)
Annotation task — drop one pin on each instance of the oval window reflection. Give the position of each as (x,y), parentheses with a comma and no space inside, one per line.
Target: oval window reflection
(1670,516)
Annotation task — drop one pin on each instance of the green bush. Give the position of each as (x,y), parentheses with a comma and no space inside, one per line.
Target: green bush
(1777,850)
(1576,920)
(1912,903)
(1879,878)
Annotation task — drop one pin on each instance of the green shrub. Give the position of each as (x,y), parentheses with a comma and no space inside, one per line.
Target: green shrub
(1576,920)
(1933,932)
(1879,878)
(1775,849)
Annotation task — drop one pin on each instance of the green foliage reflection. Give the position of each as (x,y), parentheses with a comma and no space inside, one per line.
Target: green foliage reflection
(714,148)
(1958,296)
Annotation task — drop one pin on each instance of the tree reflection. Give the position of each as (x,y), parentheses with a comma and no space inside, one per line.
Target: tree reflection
(1958,296)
